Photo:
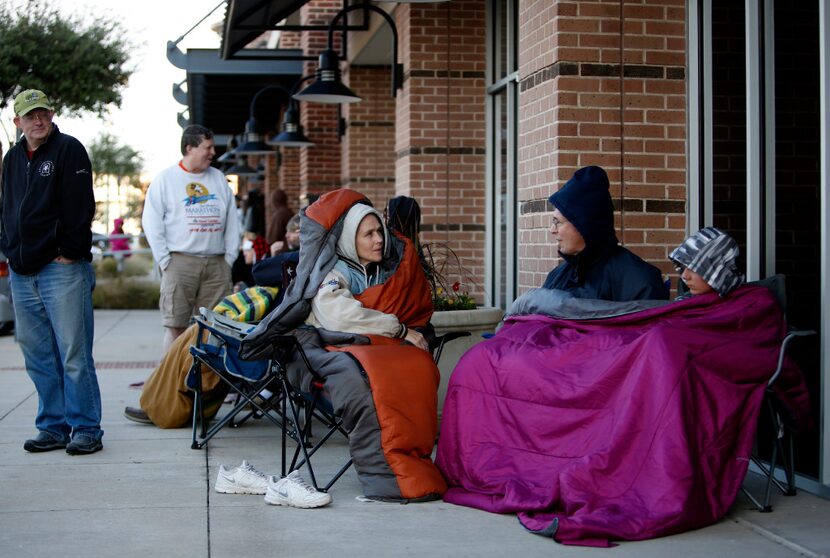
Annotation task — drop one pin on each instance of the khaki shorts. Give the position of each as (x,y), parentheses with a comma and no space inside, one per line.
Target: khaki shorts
(190,282)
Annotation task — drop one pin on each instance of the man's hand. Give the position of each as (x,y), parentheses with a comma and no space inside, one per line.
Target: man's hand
(417,339)
(277,247)
(62,260)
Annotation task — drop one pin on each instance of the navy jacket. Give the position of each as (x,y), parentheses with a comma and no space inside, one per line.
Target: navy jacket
(47,203)
(611,273)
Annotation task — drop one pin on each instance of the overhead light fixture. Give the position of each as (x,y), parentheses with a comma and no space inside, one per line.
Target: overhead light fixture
(328,88)
(241,168)
(292,129)
(229,156)
(252,143)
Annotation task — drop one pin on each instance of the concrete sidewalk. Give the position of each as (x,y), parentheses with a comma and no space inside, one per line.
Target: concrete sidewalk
(147,494)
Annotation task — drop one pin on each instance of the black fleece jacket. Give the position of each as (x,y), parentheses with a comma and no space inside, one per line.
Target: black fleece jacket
(47,203)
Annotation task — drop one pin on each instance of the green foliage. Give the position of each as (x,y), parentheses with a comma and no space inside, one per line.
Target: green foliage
(137,265)
(106,268)
(131,293)
(112,159)
(81,66)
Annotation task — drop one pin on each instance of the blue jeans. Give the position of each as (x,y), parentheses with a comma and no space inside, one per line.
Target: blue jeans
(53,311)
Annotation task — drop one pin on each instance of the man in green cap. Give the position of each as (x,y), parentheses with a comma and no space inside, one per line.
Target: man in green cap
(47,210)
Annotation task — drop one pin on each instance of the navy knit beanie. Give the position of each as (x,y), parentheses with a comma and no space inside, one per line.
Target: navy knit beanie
(585,201)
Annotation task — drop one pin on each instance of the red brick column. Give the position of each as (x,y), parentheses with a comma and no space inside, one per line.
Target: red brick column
(368,148)
(440,125)
(319,165)
(288,175)
(579,106)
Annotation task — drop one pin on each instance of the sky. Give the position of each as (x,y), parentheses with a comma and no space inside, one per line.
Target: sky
(146,120)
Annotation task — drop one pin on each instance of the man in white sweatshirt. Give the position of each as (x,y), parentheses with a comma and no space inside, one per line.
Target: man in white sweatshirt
(190,222)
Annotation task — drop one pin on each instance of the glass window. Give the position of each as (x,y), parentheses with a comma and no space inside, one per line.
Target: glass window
(502,111)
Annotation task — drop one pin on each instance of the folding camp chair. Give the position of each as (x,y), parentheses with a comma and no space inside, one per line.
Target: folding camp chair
(293,409)
(248,379)
(781,436)
(317,406)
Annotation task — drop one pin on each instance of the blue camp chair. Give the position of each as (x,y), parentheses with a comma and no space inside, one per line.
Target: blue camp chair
(293,409)
(248,379)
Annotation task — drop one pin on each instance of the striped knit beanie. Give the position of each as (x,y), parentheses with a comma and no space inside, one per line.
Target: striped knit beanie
(711,253)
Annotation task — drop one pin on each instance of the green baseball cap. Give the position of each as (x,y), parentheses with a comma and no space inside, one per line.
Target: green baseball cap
(29,100)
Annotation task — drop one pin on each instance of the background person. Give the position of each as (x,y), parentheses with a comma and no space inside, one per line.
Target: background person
(119,244)
(191,225)
(47,239)
(269,272)
(278,220)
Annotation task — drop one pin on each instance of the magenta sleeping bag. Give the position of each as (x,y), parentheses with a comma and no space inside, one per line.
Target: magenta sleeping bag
(627,428)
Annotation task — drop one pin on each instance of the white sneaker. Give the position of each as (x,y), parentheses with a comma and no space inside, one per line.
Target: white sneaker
(241,480)
(294,491)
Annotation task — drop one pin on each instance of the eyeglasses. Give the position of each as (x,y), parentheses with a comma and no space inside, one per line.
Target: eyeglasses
(557,223)
(43,115)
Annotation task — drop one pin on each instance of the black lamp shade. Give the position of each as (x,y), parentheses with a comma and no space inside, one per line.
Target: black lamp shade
(227,157)
(252,143)
(291,138)
(241,168)
(328,88)
(292,131)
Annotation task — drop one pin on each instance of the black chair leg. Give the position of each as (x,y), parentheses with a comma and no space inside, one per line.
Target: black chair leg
(198,406)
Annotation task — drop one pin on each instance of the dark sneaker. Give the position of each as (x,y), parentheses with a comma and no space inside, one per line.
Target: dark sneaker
(44,441)
(83,444)
(137,414)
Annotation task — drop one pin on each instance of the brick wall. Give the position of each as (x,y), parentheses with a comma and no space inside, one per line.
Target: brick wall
(440,127)
(368,148)
(319,165)
(288,175)
(579,106)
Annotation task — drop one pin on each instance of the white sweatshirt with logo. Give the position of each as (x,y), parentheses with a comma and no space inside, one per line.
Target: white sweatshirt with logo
(192,213)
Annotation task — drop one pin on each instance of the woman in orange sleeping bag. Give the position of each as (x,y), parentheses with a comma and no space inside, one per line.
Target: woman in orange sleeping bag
(377,290)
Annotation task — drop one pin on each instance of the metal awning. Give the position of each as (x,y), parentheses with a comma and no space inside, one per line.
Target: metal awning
(219,92)
(245,20)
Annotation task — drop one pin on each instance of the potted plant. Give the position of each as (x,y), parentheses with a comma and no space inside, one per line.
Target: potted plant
(455,309)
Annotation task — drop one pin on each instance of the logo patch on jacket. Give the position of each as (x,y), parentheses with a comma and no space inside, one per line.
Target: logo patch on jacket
(197,193)
(46,168)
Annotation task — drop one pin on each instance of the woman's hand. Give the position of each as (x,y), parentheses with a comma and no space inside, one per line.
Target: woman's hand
(417,339)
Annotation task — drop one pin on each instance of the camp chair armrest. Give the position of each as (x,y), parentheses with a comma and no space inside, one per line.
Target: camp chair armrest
(290,344)
(436,346)
(440,340)
(223,324)
(793,333)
